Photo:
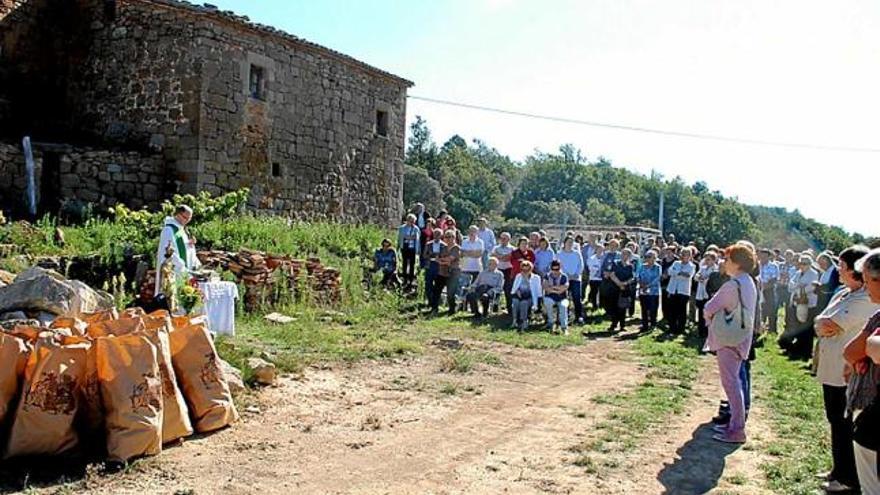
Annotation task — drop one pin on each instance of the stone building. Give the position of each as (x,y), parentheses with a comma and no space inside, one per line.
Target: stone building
(135,100)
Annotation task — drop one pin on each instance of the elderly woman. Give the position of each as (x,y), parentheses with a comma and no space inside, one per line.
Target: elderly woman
(681,274)
(707,268)
(520,254)
(608,291)
(385,260)
(797,340)
(862,390)
(485,288)
(649,289)
(555,289)
(544,255)
(594,266)
(829,279)
(525,294)
(839,323)
(737,299)
(409,242)
(623,278)
(448,272)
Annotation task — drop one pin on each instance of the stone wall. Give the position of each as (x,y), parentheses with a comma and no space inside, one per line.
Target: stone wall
(40,44)
(316,125)
(140,85)
(101,178)
(159,76)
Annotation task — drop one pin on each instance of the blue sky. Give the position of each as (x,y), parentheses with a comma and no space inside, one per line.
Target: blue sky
(788,70)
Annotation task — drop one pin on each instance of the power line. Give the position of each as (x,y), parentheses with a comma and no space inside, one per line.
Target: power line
(693,135)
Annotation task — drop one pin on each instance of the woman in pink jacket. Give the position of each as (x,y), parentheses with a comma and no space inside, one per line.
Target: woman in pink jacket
(740,295)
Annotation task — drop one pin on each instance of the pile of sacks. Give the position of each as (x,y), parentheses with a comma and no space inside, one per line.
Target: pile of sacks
(136,380)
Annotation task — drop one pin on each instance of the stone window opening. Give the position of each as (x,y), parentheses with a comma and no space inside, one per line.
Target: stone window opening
(382,123)
(276,169)
(257,83)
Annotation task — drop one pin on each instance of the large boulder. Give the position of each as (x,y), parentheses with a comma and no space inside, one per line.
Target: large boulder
(38,289)
(264,372)
(233,377)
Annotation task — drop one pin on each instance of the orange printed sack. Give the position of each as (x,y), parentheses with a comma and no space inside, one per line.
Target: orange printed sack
(198,369)
(131,391)
(107,314)
(175,415)
(132,313)
(50,398)
(107,328)
(76,326)
(13,358)
(24,332)
(93,406)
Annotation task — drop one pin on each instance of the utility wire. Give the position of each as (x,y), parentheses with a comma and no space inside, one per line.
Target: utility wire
(693,135)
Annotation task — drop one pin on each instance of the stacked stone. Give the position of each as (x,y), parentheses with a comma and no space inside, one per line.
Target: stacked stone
(327,285)
(261,273)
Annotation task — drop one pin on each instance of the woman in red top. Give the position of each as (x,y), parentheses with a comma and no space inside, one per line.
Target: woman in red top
(522,253)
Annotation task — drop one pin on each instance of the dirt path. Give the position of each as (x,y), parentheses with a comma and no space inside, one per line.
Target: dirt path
(408,427)
(683,458)
(390,428)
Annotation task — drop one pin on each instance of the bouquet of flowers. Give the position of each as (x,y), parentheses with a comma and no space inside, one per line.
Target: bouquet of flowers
(189,296)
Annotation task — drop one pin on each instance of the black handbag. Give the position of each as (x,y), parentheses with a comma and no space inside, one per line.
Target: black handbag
(866,428)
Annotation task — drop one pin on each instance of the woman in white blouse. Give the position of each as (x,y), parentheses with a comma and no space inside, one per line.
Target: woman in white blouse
(797,340)
(707,268)
(525,294)
(681,274)
(836,325)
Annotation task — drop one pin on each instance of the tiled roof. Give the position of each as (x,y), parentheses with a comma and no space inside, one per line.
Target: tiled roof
(213,11)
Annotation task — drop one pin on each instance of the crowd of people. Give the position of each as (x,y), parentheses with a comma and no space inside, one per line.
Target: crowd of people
(830,307)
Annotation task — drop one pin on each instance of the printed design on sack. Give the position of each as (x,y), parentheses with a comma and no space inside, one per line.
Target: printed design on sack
(53,394)
(93,386)
(210,374)
(146,394)
(167,383)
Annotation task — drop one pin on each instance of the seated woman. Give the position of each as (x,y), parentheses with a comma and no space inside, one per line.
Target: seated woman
(525,294)
(555,297)
(385,260)
(486,288)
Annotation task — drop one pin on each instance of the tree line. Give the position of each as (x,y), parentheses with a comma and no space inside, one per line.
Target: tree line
(473,179)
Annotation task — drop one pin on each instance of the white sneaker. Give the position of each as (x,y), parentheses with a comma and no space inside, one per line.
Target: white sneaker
(835,486)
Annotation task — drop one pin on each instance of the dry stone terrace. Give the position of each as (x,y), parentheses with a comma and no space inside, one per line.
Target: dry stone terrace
(153,97)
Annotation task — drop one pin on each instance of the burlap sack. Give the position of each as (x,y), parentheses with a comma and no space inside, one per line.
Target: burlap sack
(13,358)
(107,314)
(50,398)
(131,391)
(175,415)
(198,370)
(108,328)
(76,326)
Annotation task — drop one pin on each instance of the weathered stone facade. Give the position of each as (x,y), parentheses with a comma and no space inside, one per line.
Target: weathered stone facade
(219,102)
(89,176)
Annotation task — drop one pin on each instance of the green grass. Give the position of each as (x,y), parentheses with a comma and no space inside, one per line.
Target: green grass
(671,368)
(801,445)
(463,361)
